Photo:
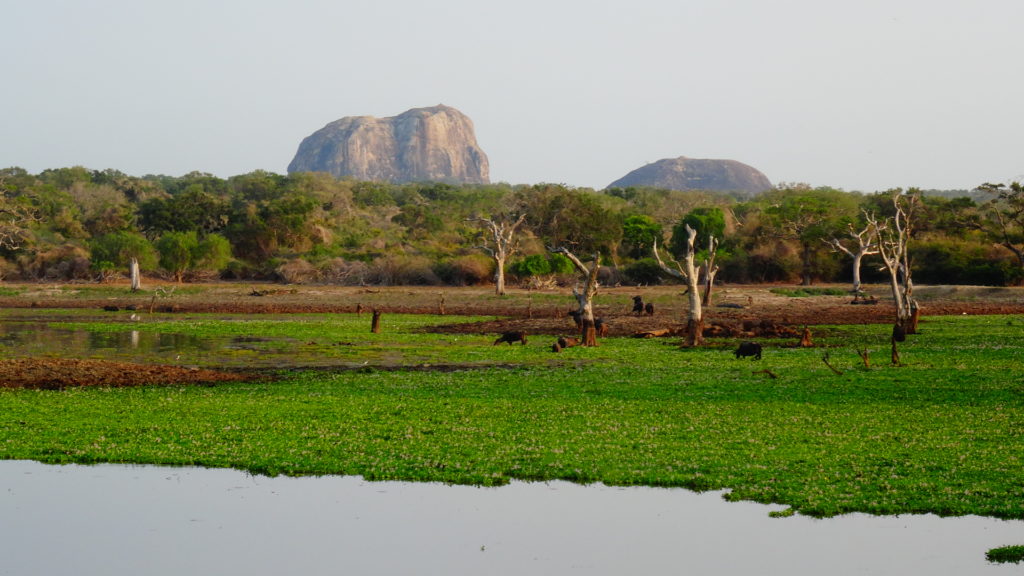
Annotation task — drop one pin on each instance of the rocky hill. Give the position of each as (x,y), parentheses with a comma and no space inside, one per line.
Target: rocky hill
(422,144)
(697,174)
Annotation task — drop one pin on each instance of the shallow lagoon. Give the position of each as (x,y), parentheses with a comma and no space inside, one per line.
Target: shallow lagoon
(115,519)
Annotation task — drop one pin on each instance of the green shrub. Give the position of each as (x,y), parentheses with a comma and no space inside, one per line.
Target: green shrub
(956,262)
(532,265)
(646,271)
(1006,554)
(561,265)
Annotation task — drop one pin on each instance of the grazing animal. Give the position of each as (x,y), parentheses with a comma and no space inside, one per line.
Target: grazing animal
(649,309)
(567,342)
(638,305)
(577,318)
(599,324)
(564,342)
(511,337)
(749,349)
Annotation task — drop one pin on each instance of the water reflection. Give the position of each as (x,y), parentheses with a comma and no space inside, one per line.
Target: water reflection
(146,342)
(28,338)
(148,520)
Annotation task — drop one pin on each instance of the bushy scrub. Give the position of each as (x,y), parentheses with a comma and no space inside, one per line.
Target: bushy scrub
(1006,554)
(954,262)
(643,272)
(467,270)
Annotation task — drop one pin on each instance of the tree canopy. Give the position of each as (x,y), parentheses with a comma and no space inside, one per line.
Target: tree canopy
(73,222)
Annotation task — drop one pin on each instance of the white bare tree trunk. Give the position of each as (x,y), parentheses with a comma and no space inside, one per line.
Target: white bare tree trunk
(585,299)
(893,238)
(857,258)
(499,274)
(500,246)
(689,273)
(133,272)
(710,270)
(865,246)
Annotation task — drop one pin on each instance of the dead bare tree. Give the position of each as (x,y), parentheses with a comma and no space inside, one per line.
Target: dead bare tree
(864,246)
(687,271)
(710,270)
(585,299)
(893,238)
(865,356)
(500,245)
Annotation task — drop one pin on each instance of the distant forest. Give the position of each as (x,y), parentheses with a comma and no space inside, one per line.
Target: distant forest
(76,224)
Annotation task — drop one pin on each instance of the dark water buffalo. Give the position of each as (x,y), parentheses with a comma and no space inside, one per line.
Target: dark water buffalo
(649,309)
(599,324)
(511,338)
(577,318)
(749,349)
(638,305)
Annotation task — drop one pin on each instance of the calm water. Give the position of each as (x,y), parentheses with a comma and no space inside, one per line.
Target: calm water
(29,338)
(114,520)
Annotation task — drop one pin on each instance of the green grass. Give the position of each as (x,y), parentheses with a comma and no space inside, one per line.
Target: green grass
(808,291)
(944,433)
(1006,554)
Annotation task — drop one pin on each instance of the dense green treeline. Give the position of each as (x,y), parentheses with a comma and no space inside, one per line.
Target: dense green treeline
(80,224)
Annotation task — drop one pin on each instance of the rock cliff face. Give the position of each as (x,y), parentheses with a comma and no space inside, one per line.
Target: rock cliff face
(697,174)
(422,144)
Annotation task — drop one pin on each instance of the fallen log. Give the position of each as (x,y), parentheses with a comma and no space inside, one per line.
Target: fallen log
(656,333)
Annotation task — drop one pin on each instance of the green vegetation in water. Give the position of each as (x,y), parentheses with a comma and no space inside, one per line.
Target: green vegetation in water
(1006,555)
(808,291)
(942,434)
(313,340)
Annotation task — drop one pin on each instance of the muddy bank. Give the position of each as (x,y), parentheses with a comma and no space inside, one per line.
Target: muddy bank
(59,373)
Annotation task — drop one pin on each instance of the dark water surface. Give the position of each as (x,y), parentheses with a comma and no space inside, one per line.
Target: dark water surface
(40,339)
(119,520)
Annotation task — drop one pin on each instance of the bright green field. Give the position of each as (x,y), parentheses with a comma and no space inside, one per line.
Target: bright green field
(943,433)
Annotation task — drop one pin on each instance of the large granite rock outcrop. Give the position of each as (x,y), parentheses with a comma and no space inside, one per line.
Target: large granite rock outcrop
(697,174)
(422,144)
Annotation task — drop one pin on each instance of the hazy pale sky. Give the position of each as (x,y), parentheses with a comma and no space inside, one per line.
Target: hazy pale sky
(864,95)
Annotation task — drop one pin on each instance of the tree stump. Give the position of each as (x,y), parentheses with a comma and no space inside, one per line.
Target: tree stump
(588,333)
(805,339)
(694,332)
(375,322)
(865,356)
(915,316)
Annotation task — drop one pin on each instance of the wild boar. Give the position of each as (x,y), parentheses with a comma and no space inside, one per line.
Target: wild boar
(749,349)
(511,337)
